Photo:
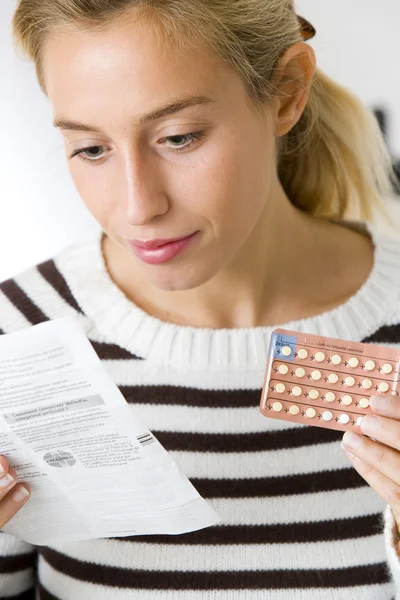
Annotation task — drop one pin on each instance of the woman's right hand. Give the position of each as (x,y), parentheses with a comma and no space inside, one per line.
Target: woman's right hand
(12,495)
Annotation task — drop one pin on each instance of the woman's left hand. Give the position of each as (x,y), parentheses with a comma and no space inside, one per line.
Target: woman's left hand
(378,462)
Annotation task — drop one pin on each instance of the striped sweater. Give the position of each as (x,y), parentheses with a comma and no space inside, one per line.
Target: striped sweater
(298,522)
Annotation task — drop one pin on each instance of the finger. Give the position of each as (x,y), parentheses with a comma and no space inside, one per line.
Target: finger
(385,487)
(377,455)
(4,466)
(387,406)
(12,502)
(385,429)
(8,480)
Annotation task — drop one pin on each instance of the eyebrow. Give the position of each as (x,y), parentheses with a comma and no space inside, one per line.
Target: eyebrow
(160,112)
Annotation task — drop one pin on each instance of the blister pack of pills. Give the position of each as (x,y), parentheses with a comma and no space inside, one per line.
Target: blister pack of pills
(326,382)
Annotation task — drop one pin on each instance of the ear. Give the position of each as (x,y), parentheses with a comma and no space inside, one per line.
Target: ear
(292,81)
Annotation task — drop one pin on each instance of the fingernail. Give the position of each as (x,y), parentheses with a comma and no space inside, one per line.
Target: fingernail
(20,495)
(352,440)
(6,480)
(381,403)
(370,424)
(347,451)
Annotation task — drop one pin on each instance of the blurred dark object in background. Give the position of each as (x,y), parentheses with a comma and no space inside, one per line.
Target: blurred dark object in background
(382,116)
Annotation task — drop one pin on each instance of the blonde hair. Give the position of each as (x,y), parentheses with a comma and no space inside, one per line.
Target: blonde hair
(334,162)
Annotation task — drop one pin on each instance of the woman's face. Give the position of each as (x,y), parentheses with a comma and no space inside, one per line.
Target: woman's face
(207,170)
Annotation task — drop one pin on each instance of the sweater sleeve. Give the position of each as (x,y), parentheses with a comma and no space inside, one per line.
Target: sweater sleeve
(391,535)
(17,568)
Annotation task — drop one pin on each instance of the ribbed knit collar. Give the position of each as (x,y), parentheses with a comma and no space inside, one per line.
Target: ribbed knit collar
(123,323)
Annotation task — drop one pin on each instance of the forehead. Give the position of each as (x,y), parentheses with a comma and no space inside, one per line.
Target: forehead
(128,62)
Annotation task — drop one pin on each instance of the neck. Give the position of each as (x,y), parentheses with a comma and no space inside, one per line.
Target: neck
(294,266)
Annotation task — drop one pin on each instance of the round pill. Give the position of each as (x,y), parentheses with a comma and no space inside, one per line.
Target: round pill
(367,384)
(387,368)
(358,421)
(364,403)
(336,359)
(370,365)
(283,369)
(327,415)
(300,372)
(311,412)
(280,388)
(316,375)
(302,353)
(349,381)
(353,362)
(320,357)
(347,400)
(333,378)
(330,397)
(297,391)
(277,406)
(294,409)
(344,418)
(383,386)
(286,351)
(313,394)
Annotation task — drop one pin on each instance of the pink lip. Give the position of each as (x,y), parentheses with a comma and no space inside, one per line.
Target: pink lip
(157,252)
(152,244)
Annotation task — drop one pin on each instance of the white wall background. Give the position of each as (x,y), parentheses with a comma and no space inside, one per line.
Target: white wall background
(40,210)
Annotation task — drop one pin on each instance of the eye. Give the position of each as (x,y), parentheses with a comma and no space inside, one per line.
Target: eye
(84,153)
(191,137)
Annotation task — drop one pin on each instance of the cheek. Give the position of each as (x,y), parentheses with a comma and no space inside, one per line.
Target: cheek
(231,186)
(92,191)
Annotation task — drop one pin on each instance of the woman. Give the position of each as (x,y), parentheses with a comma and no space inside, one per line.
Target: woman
(234,184)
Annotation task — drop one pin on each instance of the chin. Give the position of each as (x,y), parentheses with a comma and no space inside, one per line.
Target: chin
(182,279)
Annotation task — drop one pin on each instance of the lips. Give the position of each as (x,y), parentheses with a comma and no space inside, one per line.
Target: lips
(153,244)
(160,251)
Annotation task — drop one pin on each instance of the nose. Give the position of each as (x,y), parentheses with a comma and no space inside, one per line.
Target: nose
(144,198)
